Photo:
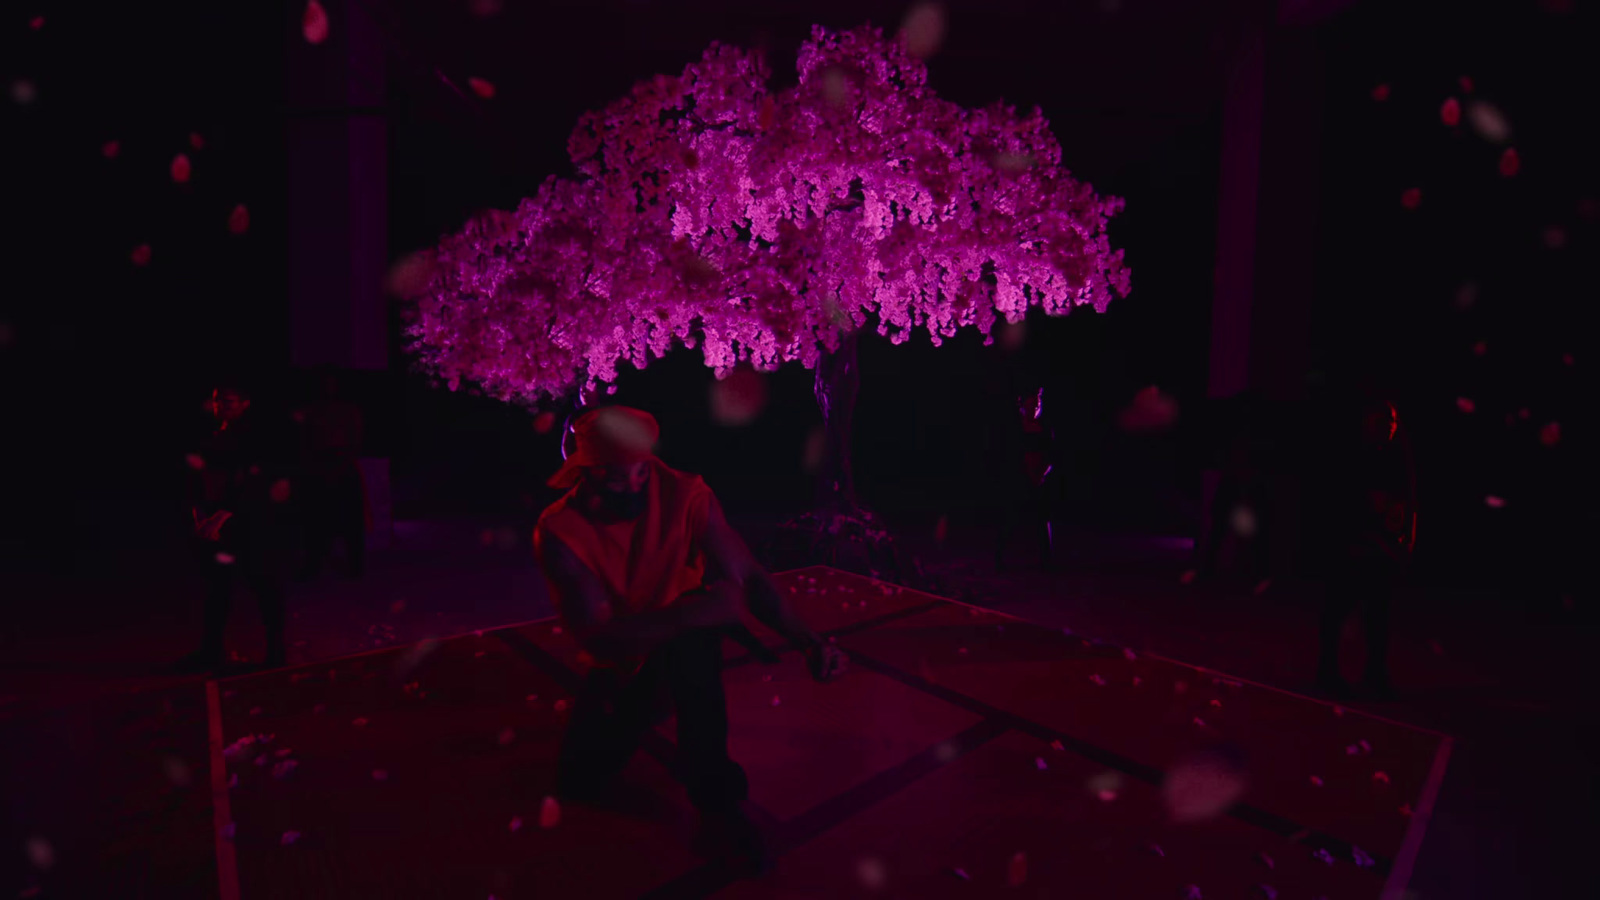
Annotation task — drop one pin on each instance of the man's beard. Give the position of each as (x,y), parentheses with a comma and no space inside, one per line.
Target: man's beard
(624,505)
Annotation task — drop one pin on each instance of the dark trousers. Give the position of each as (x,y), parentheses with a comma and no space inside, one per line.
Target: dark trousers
(335,507)
(614,712)
(1026,526)
(1364,586)
(254,568)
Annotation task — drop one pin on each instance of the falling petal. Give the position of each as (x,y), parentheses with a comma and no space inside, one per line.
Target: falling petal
(561,705)
(239,219)
(1216,703)
(314,23)
(110,149)
(1203,787)
(1192,892)
(1323,855)
(481,87)
(1380,777)
(775,700)
(1555,237)
(289,837)
(516,823)
(1137,681)
(358,722)
(1405,810)
(180,168)
(549,813)
(544,422)
(872,872)
(1380,93)
(1365,747)
(1411,198)
(1057,745)
(1199,722)
(1097,679)
(1489,122)
(36,23)
(1450,112)
(24,92)
(380,775)
(1268,891)
(140,255)
(962,874)
(1040,764)
(1361,859)
(923,30)
(1465,404)
(41,854)
(1466,84)
(1266,860)
(1550,434)
(1494,502)
(738,399)
(1480,348)
(942,529)
(1017,872)
(1188,577)
(1156,849)
(196,141)
(319,708)
(1129,655)
(1316,781)
(506,737)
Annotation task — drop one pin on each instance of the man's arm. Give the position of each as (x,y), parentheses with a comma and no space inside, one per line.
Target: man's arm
(585,606)
(732,561)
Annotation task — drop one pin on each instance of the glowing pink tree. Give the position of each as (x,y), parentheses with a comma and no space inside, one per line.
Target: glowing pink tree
(768,227)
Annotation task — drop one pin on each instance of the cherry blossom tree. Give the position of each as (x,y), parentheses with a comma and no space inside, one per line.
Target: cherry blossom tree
(765,227)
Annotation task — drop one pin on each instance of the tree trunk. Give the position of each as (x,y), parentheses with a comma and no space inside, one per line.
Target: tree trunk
(837,384)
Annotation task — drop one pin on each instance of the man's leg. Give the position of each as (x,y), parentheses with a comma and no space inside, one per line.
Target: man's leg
(219,596)
(267,583)
(1340,601)
(608,721)
(717,785)
(353,522)
(1375,599)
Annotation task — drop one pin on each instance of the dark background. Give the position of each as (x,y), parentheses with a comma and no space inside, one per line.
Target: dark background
(107,364)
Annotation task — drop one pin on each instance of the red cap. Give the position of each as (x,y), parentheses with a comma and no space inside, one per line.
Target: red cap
(608,436)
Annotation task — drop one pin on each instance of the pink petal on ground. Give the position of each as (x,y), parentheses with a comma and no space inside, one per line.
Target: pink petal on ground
(775,700)
(1156,849)
(358,722)
(1097,679)
(1137,681)
(1268,891)
(1199,722)
(380,775)
(1192,892)
(1129,655)
(282,770)
(516,823)
(1316,781)
(1381,777)
(1056,745)
(507,736)
(961,651)
(1266,860)
(1323,855)
(561,705)
(288,838)
(549,813)
(1040,764)
(314,23)
(320,707)
(962,874)
(1187,577)
(233,780)
(1216,703)
(1361,858)
(1365,747)
(556,630)
(255,710)
(1405,810)
(180,168)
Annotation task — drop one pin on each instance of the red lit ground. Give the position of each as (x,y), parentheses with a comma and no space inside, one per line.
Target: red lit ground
(923,760)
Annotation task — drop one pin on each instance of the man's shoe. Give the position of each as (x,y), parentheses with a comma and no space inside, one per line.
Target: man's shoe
(1377,689)
(1333,687)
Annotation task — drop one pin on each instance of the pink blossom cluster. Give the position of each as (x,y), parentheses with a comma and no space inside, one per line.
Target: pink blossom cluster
(760,225)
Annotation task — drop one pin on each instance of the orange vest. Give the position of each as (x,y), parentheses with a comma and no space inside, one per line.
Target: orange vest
(647,563)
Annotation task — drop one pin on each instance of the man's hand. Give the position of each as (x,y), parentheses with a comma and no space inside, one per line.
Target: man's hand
(826,662)
(720,605)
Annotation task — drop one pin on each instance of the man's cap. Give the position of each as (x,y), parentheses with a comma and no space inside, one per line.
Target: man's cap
(608,436)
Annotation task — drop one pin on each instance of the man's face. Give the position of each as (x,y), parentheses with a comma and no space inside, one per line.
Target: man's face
(621,488)
(228,405)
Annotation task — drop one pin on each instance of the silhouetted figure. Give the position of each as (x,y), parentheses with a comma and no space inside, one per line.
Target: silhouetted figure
(649,578)
(238,501)
(332,495)
(1369,506)
(1027,523)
